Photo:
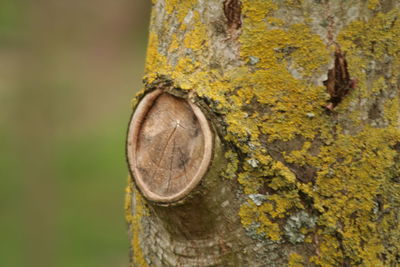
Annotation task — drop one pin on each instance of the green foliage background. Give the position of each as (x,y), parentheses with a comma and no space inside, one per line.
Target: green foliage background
(68,70)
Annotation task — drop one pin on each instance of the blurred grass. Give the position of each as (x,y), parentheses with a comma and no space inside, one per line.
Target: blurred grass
(10,19)
(92,178)
(68,70)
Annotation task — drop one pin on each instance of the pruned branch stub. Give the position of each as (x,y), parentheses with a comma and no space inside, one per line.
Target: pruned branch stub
(169,146)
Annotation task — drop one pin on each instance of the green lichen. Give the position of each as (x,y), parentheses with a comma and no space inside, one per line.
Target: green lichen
(298,225)
(272,97)
(232,164)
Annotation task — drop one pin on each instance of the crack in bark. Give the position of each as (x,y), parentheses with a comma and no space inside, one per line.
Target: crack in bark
(163,152)
(182,161)
(233,12)
(339,82)
(171,163)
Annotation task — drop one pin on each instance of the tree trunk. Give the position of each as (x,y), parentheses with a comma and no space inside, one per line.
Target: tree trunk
(302,99)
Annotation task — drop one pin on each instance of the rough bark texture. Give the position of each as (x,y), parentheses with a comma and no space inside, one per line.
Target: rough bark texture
(303,97)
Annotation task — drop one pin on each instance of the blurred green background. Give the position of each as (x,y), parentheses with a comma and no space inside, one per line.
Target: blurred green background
(68,70)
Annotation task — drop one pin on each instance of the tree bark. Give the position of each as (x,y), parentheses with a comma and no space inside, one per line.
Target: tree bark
(302,97)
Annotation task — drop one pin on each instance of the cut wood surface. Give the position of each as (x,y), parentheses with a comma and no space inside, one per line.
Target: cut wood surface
(169,146)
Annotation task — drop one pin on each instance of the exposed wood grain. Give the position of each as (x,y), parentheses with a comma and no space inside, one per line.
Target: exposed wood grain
(169,146)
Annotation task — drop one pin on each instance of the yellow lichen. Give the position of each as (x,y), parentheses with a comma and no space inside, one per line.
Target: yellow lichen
(252,217)
(373,4)
(133,217)
(295,260)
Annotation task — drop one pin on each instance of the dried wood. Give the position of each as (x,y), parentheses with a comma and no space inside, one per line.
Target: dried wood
(169,146)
